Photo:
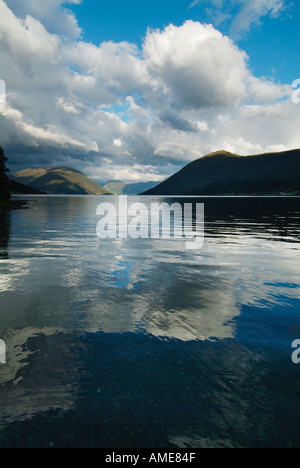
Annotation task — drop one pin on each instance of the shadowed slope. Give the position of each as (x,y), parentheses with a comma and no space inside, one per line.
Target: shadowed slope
(224,173)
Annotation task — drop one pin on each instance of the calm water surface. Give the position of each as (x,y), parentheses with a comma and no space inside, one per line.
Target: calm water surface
(123,343)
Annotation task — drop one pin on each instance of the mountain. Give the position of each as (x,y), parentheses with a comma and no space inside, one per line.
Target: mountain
(224,173)
(115,187)
(17,188)
(60,181)
(120,188)
(137,188)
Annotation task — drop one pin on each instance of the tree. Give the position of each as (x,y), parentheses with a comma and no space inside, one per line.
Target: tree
(4,181)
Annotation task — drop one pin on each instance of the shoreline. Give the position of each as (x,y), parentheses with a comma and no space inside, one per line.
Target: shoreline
(12,205)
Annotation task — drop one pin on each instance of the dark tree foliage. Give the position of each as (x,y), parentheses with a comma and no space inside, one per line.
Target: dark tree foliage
(4,182)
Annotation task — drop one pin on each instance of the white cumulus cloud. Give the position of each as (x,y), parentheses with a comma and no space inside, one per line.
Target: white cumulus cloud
(130,113)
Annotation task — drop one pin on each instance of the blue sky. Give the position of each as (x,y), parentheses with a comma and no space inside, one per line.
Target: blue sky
(135,90)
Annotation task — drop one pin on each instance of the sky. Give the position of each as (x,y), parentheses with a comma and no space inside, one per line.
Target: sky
(134,91)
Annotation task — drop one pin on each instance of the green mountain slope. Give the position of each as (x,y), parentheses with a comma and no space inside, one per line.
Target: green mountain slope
(60,180)
(224,173)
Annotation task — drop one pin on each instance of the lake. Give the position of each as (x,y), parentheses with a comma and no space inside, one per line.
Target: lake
(123,343)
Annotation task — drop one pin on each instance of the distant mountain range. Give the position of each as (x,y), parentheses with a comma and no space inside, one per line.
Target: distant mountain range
(121,188)
(224,173)
(220,173)
(67,181)
(58,181)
